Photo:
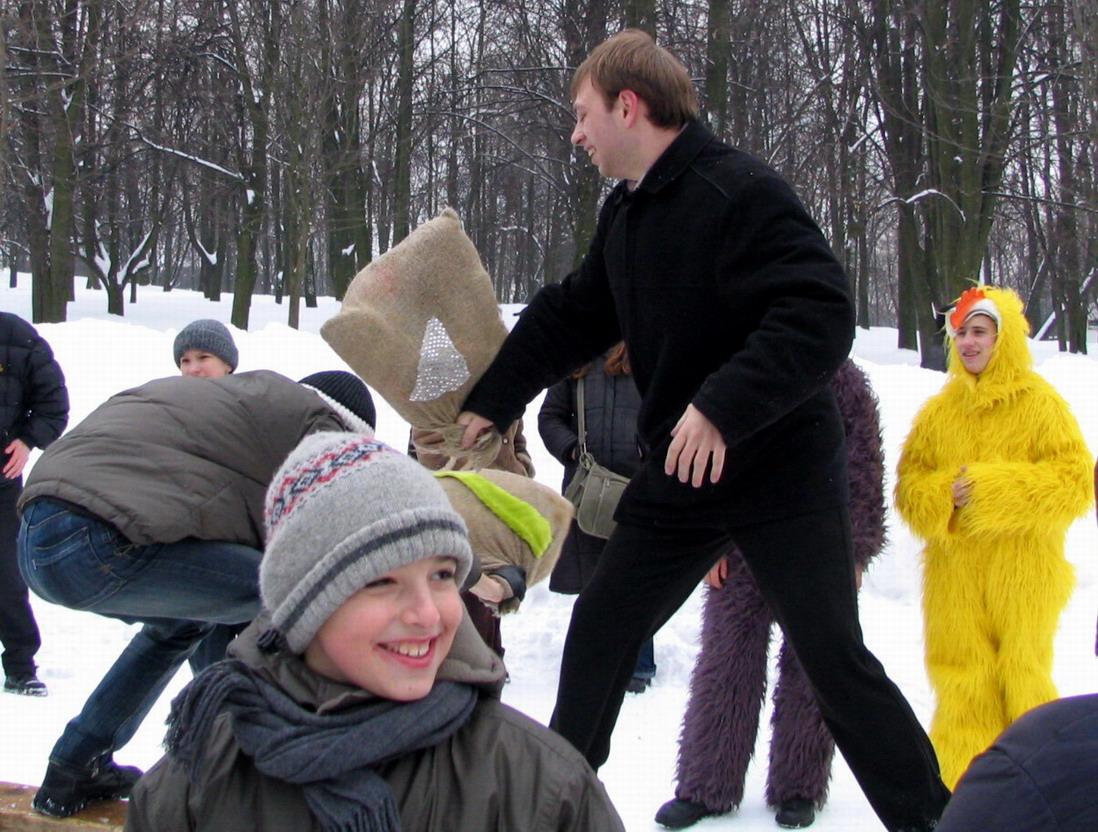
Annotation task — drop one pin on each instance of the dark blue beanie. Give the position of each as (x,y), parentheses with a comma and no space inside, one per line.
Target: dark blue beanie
(348,390)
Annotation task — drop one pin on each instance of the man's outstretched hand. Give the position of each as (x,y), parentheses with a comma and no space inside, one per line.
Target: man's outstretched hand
(696,445)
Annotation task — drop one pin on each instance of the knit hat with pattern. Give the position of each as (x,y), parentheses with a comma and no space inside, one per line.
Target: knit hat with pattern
(343,510)
(207,335)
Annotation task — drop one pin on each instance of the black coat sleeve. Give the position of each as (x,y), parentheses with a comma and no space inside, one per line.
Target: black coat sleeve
(566,325)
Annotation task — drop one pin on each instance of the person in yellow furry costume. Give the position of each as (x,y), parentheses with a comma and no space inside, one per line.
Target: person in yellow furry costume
(993,473)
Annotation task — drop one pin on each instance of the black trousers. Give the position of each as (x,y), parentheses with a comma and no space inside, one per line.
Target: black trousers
(18,629)
(804,568)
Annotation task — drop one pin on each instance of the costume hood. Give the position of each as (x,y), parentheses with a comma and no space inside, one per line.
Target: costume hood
(1011,360)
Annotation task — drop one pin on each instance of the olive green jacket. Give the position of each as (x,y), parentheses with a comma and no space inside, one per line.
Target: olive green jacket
(501,771)
(182,457)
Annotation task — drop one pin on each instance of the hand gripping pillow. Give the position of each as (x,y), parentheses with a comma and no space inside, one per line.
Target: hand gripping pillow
(420,325)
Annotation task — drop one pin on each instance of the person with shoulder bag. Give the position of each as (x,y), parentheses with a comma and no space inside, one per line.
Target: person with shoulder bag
(610,403)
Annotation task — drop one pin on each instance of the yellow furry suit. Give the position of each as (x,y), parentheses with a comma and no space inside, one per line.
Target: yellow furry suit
(995,578)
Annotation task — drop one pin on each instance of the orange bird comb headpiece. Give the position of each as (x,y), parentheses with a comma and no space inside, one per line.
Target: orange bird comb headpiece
(972,302)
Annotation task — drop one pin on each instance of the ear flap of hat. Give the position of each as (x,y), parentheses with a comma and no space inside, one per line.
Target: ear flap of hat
(503,532)
(420,324)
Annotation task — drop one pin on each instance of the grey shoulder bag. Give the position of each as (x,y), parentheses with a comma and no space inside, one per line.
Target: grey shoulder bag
(594,490)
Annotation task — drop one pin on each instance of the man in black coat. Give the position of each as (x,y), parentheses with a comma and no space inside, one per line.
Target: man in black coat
(736,315)
(34,409)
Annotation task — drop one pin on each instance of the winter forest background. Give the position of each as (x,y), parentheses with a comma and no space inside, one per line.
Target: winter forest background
(244,146)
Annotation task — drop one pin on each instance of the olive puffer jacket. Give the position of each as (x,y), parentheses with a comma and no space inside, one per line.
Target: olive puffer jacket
(182,457)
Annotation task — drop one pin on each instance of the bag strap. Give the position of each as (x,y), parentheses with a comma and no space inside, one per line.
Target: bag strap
(581,422)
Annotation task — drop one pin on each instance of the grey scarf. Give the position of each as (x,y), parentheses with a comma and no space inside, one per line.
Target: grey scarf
(330,756)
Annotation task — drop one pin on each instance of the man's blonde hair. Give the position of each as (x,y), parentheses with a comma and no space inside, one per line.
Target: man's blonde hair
(631,60)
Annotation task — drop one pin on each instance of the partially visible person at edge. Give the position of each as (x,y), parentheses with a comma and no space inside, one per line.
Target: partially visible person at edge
(34,409)
(483,599)
(361,698)
(1038,776)
(611,404)
(736,315)
(992,474)
(165,483)
(728,686)
(205,349)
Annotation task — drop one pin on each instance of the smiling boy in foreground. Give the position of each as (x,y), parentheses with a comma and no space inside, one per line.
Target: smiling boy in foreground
(362,699)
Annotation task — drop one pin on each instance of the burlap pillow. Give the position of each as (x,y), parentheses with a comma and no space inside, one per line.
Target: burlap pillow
(420,325)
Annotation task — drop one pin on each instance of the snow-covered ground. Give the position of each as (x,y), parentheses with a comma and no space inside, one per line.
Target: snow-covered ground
(102,354)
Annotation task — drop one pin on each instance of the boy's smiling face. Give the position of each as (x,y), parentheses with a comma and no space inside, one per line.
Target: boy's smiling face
(203,364)
(390,637)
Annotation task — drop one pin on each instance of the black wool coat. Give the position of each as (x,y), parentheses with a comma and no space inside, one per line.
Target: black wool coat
(34,402)
(728,297)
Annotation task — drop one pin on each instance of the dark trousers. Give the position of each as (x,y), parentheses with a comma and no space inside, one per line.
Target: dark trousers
(804,569)
(18,629)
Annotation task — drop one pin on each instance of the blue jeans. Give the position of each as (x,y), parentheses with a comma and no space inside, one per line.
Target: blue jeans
(179,591)
(646,662)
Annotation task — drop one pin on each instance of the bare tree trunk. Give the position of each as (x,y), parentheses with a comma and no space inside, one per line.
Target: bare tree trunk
(716,66)
(402,186)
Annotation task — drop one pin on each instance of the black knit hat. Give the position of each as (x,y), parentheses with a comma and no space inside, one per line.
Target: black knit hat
(208,335)
(346,390)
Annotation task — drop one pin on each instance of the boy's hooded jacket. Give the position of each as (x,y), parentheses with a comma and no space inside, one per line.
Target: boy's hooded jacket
(500,770)
(995,577)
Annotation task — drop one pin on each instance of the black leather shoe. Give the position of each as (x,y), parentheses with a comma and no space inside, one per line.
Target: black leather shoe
(26,684)
(638,685)
(681,813)
(795,813)
(66,791)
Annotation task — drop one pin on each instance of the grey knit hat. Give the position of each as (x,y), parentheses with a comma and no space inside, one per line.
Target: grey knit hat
(209,335)
(342,510)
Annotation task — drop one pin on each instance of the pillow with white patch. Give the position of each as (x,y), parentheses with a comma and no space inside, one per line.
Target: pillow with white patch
(420,325)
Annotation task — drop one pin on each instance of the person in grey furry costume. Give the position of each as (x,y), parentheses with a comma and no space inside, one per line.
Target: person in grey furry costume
(729,679)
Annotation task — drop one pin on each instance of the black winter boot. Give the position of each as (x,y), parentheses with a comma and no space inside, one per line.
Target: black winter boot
(638,685)
(25,684)
(681,813)
(795,813)
(65,791)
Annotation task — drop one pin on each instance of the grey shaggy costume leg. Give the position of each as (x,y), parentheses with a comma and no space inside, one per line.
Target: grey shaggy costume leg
(726,693)
(801,746)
